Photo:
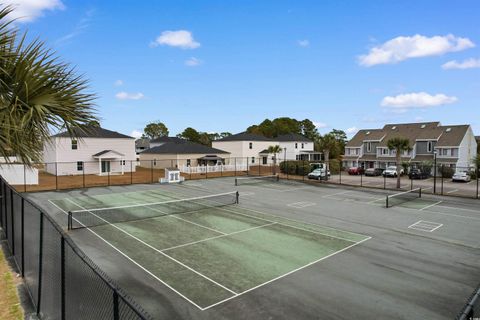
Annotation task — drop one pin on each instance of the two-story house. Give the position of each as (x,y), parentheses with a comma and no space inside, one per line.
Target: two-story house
(94,151)
(453,145)
(254,148)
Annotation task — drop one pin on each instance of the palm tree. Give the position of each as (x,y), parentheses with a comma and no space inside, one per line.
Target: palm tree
(38,94)
(399,145)
(326,144)
(276,149)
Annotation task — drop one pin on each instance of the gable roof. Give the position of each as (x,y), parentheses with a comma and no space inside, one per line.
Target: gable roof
(167,139)
(366,134)
(452,135)
(292,137)
(186,147)
(245,136)
(101,153)
(142,142)
(92,132)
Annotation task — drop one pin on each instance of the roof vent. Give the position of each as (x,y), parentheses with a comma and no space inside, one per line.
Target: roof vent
(423,126)
(394,127)
(368,132)
(448,129)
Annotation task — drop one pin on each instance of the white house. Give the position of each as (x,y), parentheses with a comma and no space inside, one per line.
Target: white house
(94,151)
(253,147)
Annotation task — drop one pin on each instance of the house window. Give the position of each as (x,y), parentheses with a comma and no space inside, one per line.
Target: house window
(122,162)
(74,144)
(429,146)
(250,145)
(385,151)
(79,165)
(154,162)
(296,145)
(302,145)
(253,159)
(188,162)
(369,146)
(445,152)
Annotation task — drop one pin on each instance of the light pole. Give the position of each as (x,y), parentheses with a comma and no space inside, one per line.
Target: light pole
(434,171)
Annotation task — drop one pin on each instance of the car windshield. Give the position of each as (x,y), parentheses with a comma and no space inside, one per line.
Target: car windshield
(392,168)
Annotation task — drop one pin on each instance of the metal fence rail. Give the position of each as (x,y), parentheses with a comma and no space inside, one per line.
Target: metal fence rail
(62,281)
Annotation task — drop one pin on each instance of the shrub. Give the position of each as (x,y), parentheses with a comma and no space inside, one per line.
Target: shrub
(334,166)
(300,168)
(446,172)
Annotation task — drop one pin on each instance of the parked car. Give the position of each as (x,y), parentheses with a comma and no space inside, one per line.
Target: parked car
(391,171)
(418,174)
(355,170)
(373,172)
(318,174)
(461,176)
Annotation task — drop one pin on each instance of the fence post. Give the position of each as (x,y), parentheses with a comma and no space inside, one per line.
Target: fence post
(384,181)
(24,178)
(340,173)
(12,222)
(83,174)
(478,171)
(361,179)
(40,269)
(62,277)
(116,313)
(248,173)
(131,171)
(22,225)
(235,167)
(435,177)
(151,171)
(443,172)
(56,175)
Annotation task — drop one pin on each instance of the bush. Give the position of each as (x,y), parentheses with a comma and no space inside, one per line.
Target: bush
(426,166)
(299,168)
(446,172)
(334,166)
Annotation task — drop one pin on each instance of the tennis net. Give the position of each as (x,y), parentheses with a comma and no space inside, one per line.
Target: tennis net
(85,218)
(402,197)
(255,180)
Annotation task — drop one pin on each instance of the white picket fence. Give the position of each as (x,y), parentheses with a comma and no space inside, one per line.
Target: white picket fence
(214,168)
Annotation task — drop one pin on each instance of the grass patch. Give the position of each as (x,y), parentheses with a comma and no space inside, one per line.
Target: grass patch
(10,308)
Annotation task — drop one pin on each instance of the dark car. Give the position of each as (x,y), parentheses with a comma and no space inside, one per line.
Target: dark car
(417,174)
(373,172)
(355,170)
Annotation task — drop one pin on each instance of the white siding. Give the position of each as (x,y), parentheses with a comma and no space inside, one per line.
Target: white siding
(467,150)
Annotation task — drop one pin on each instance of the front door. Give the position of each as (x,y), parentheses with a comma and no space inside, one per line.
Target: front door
(265,160)
(105,166)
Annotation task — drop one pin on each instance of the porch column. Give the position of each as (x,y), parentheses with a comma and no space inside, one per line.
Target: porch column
(121,165)
(99,166)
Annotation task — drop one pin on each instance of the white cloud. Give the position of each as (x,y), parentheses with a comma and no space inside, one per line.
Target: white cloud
(303,43)
(181,38)
(416,100)
(465,64)
(193,62)
(118,83)
(129,96)
(80,27)
(417,46)
(351,130)
(29,10)
(136,134)
(320,125)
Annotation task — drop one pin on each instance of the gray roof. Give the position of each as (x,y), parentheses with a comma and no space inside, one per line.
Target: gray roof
(92,132)
(292,137)
(245,136)
(167,139)
(186,147)
(142,142)
(106,151)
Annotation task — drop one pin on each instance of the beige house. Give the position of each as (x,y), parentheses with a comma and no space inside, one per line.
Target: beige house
(95,150)
(181,154)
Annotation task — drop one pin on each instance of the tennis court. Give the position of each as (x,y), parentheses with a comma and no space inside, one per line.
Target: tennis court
(207,249)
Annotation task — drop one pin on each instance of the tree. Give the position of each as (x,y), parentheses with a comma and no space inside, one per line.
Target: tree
(476,161)
(275,150)
(326,144)
(38,93)
(190,134)
(155,130)
(400,145)
(309,129)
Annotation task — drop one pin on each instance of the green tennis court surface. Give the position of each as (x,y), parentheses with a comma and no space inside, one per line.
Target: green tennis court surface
(215,253)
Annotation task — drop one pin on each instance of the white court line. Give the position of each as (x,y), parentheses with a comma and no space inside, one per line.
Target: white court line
(217,237)
(293,189)
(288,273)
(376,200)
(301,204)
(431,205)
(133,261)
(155,249)
(427,226)
(454,190)
(335,194)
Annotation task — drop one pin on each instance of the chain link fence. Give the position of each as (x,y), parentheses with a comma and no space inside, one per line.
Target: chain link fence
(62,281)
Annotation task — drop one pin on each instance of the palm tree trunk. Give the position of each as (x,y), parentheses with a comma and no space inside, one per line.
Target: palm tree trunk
(274,164)
(398,168)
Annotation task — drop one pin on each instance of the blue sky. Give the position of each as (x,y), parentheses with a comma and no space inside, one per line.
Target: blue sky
(224,65)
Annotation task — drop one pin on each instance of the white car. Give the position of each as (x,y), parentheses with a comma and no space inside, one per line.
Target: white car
(461,176)
(318,174)
(391,171)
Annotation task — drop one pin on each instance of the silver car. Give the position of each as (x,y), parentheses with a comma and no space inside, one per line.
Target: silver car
(461,176)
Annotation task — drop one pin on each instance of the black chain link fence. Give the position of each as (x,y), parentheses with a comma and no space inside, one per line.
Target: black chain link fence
(62,281)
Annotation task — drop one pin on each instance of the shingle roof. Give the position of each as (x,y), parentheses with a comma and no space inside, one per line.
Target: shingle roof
(292,137)
(185,147)
(452,135)
(139,143)
(245,136)
(366,134)
(167,139)
(92,132)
